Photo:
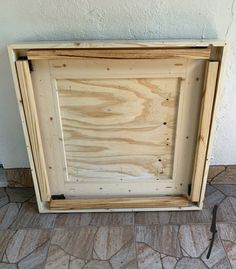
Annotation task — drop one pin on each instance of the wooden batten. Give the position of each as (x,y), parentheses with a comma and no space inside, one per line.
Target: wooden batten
(33,126)
(116,203)
(52,54)
(204,128)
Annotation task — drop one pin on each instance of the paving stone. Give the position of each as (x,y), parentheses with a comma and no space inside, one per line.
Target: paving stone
(227,210)
(162,238)
(147,258)
(231,252)
(76,242)
(169,262)
(194,239)
(218,258)
(57,258)
(125,257)
(36,259)
(189,263)
(228,190)
(188,217)
(227,232)
(3,197)
(8,214)
(97,219)
(226,177)
(76,264)
(8,266)
(215,170)
(109,240)
(24,242)
(213,197)
(5,236)
(29,217)
(20,195)
(97,265)
(150,218)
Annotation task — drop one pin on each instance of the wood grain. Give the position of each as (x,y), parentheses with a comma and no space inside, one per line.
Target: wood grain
(120,128)
(204,128)
(135,202)
(33,127)
(191,53)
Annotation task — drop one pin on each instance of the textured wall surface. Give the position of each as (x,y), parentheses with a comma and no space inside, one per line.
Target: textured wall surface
(37,20)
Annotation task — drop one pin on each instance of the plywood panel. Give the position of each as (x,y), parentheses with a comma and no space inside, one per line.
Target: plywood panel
(120,128)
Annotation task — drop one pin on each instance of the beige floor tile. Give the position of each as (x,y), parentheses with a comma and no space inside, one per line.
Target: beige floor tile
(227,210)
(169,262)
(226,177)
(125,258)
(8,214)
(20,195)
(150,218)
(24,243)
(97,265)
(5,236)
(215,170)
(29,217)
(218,257)
(147,257)
(8,266)
(162,238)
(96,219)
(3,197)
(228,190)
(91,246)
(231,252)
(76,242)
(189,263)
(194,239)
(109,240)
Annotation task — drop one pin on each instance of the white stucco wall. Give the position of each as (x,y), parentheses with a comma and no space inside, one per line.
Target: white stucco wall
(28,20)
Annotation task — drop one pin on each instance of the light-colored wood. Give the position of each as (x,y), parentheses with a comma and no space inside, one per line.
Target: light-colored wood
(105,68)
(46,98)
(120,129)
(135,202)
(21,49)
(33,127)
(52,54)
(176,43)
(204,128)
(12,59)
(220,55)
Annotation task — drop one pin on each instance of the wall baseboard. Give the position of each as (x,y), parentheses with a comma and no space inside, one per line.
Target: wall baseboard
(21,177)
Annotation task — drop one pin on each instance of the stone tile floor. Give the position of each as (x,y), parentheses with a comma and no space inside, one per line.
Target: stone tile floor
(145,240)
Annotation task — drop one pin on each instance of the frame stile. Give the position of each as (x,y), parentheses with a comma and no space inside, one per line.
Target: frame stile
(30,110)
(204,128)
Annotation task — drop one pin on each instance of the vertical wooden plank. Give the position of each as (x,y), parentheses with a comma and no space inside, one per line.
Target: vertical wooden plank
(204,128)
(30,111)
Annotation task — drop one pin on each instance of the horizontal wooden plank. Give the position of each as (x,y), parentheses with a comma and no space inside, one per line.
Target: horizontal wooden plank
(115,68)
(180,43)
(135,202)
(190,53)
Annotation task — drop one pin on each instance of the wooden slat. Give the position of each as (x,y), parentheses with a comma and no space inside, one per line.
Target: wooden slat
(204,128)
(135,202)
(33,127)
(192,53)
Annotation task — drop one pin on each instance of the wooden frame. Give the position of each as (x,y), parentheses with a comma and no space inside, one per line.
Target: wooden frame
(207,50)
